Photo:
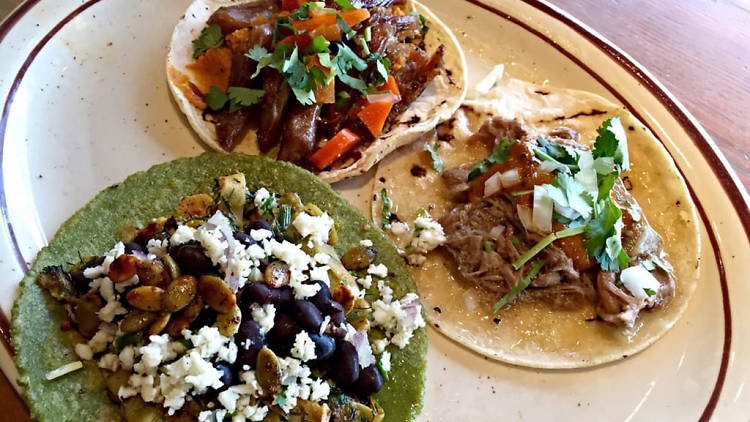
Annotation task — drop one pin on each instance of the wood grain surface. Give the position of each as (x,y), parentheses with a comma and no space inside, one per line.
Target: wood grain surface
(699,49)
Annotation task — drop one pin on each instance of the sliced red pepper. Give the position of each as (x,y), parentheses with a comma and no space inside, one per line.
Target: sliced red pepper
(374,115)
(334,149)
(390,85)
(351,17)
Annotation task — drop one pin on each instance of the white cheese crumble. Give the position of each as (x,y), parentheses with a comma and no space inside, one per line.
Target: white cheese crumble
(84,351)
(320,274)
(385,361)
(264,316)
(260,196)
(398,228)
(260,234)
(183,234)
(304,348)
(317,227)
(399,318)
(379,270)
(366,243)
(110,362)
(157,247)
(303,291)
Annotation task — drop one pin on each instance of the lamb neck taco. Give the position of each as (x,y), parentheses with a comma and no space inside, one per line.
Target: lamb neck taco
(539,253)
(263,297)
(332,86)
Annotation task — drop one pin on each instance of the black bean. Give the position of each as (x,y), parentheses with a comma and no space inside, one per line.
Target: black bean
(308,315)
(345,364)
(337,332)
(257,293)
(245,239)
(249,340)
(227,377)
(132,246)
(369,382)
(322,299)
(191,259)
(334,308)
(283,297)
(260,225)
(284,329)
(324,346)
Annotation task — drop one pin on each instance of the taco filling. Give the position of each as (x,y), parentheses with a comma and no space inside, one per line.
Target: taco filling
(546,218)
(318,81)
(237,307)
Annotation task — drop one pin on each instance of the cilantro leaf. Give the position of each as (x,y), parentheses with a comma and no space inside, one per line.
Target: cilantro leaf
(649,292)
(243,97)
(422,21)
(216,99)
(210,37)
(602,235)
(386,208)
(345,60)
(344,4)
(558,152)
(437,163)
(318,45)
(605,185)
(498,156)
(342,99)
(612,142)
(382,66)
(578,199)
(345,28)
(303,13)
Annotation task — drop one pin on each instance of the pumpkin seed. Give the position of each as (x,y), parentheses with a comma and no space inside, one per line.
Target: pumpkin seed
(86,314)
(268,371)
(309,411)
(146,298)
(344,295)
(116,380)
(277,274)
(159,324)
(193,309)
(358,258)
(152,273)
(137,320)
(172,267)
(229,323)
(179,293)
(217,294)
(152,228)
(123,268)
(195,206)
(177,324)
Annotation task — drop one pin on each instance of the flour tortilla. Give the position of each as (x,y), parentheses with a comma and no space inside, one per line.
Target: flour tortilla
(437,103)
(532,334)
(42,346)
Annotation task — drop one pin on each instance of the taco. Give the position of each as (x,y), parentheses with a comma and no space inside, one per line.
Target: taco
(332,86)
(265,296)
(546,227)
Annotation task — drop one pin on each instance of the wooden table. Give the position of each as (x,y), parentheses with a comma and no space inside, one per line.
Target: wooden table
(699,49)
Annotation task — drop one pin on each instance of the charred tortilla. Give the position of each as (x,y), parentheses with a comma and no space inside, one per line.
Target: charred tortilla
(534,333)
(436,103)
(42,346)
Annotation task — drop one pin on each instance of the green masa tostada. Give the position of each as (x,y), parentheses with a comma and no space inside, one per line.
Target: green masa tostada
(355,262)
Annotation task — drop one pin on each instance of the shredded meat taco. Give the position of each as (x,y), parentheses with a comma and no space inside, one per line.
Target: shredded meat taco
(331,86)
(545,227)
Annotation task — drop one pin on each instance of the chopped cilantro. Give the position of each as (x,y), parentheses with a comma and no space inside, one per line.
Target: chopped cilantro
(210,37)
(344,4)
(606,183)
(382,66)
(649,292)
(215,99)
(186,343)
(498,156)
(386,208)
(382,371)
(518,288)
(345,28)
(243,97)
(318,45)
(267,205)
(285,218)
(603,237)
(303,13)
(342,99)
(488,247)
(345,60)
(437,163)
(516,242)
(546,241)
(612,142)
(422,21)
(125,340)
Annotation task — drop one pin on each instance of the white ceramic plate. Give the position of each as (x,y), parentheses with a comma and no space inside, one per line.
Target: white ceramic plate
(86,103)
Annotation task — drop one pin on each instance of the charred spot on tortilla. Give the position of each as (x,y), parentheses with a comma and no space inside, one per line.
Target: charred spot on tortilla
(540,92)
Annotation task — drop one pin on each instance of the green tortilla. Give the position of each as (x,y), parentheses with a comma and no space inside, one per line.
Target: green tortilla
(42,346)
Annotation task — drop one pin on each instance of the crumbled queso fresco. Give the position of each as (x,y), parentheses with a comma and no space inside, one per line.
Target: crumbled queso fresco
(178,364)
(427,235)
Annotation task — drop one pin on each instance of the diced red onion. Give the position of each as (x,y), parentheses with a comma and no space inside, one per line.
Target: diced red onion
(140,255)
(362,346)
